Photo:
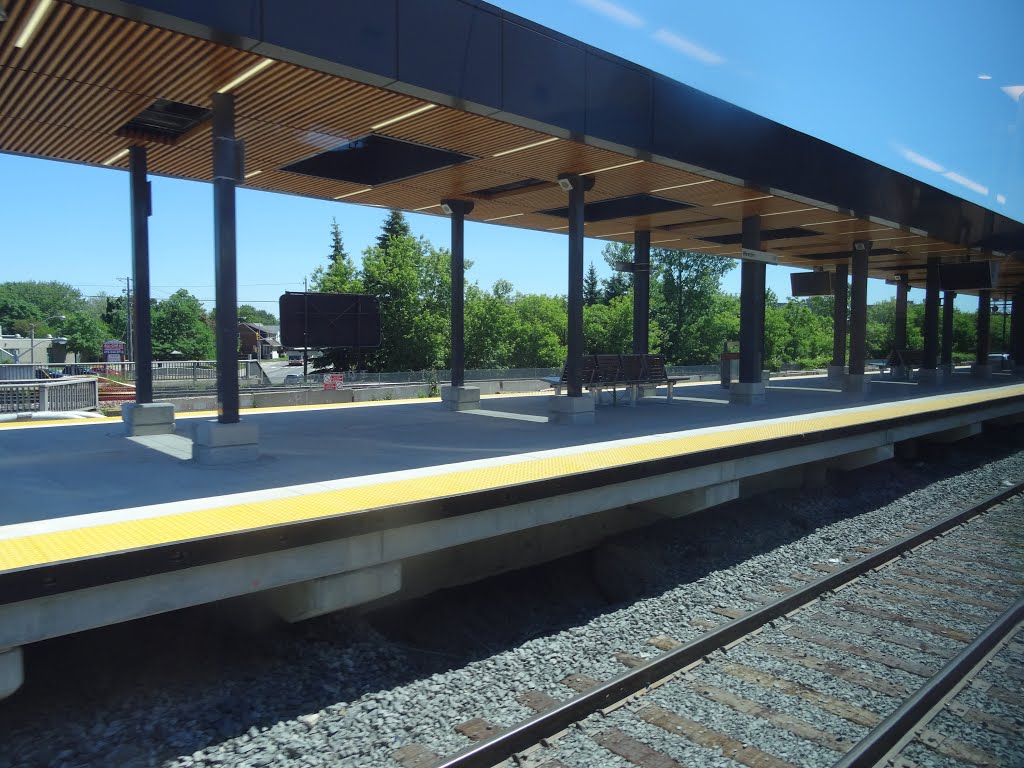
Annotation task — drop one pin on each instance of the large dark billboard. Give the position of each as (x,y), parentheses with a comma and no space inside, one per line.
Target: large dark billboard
(330,320)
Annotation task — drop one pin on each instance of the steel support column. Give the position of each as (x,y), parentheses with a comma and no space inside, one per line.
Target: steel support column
(577,192)
(142,209)
(641,291)
(1017,328)
(900,331)
(859,306)
(225,176)
(458,209)
(931,315)
(839,309)
(946,355)
(752,276)
(984,327)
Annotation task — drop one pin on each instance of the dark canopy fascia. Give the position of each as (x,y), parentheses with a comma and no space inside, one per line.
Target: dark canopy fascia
(471,55)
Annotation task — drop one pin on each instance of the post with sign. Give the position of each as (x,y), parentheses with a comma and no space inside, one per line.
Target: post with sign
(114,351)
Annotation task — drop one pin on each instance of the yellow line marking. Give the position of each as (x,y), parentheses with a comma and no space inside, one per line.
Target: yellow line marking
(57,546)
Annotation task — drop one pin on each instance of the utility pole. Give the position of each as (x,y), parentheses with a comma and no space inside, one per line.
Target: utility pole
(129,349)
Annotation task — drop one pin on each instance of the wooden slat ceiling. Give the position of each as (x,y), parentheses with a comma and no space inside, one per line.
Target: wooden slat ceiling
(85,74)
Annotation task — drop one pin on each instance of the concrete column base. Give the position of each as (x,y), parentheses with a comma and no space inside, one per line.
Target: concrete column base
(461,398)
(571,410)
(765,376)
(929,377)
(981,370)
(307,599)
(216,443)
(1018,370)
(148,419)
(12,671)
(836,373)
(899,372)
(947,372)
(747,393)
(856,386)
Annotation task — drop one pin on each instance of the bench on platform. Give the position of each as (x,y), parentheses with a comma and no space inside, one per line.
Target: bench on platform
(602,372)
(907,359)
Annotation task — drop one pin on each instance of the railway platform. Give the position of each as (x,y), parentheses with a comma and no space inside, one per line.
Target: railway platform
(350,504)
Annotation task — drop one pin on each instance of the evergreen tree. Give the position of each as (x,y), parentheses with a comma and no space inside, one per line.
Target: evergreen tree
(591,287)
(340,275)
(395,226)
(618,284)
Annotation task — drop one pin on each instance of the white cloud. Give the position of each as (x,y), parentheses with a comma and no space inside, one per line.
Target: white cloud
(920,160)
(1001,199)
(687,47)
(965,182)
(614,12)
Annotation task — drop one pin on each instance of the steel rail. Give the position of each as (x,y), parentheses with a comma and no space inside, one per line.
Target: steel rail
(874,747)
(491,751)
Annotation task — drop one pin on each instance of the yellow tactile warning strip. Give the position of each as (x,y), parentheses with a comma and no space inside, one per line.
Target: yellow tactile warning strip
(57,546)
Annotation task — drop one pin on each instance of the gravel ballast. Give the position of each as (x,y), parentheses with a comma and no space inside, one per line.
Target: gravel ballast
(191,690)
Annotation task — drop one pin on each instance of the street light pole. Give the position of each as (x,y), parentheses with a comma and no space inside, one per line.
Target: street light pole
(32,337)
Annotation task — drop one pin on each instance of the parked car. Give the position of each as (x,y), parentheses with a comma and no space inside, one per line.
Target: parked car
(49,373)
(79,370)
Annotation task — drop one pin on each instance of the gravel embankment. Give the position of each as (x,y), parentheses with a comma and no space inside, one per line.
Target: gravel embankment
(190,689)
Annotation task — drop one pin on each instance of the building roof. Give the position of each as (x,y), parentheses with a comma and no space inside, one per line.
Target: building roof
(402,103)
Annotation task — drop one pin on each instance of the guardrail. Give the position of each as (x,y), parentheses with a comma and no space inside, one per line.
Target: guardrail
(71,394)
(481,374)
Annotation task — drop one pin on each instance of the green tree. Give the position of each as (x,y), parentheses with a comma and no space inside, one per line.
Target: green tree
(27,301)
(542,329)
(492,326)
(250,314)
(340,275)
(85,334)
(687,284)
(180,325)
(608,328)
(618,284)
(808,339)
(591,286)
(394,227)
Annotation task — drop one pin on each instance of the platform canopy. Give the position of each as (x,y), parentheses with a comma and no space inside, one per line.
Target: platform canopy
(403,103)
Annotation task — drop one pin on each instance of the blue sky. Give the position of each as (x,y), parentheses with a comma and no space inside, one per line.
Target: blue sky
(898,82)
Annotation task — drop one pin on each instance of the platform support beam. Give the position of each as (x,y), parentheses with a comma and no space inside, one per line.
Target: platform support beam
(855,381)
(459,397)
(837,370)
(946,355)
(142,209)
(982,369)
(900,331)
(225,176)
(1017,330)
(12,671)
(641,291)
(750,390)
(577,188)
(929,374)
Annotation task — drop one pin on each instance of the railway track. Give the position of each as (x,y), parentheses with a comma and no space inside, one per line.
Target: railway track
(902,652)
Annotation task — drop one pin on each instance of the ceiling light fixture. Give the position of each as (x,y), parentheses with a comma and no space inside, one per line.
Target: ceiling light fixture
(525,146)
(783,213)
(403,116)
(680,186)
(672,240)
(251,72)
(509,216)
(612,167)
(250,174)
(555,229)
(34,20)
(115,157)
(426,207)
(353,194)
(615,234)
(744,200)
(831,221)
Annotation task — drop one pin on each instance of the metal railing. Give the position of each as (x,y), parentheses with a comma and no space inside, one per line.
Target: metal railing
(163,370)
(71,394)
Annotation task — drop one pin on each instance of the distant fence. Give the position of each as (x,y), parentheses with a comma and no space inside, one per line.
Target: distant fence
(72,394)
(487,374)
(163,370)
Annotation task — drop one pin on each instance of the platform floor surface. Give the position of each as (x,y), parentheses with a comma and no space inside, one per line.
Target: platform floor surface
(56,471)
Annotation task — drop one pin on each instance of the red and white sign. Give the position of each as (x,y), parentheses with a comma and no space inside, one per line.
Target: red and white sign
(334,381)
